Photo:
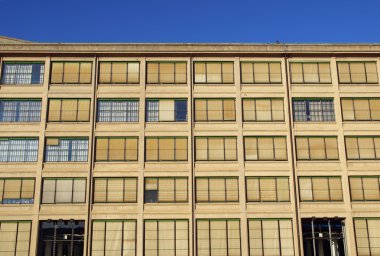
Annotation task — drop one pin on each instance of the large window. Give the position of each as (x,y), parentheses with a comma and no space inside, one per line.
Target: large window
(356,72)
(117,110)
(61,238)
(214,110)
(214,72)
(166,110)
(165,149)
(113,237)
(367,236)
(20,110)
(166,237)
(362,147)
(116,149)
(66,150)
(15,238)
(218,237)
(115,190)
(269,237)
(361,109)
(22,73)
(69,110)
(166,72)
(217,189)
(71,72)
(263,110)
(310,73)
(314,189)
(260,72)
(317,148)
(215,149)
(64,191)
(365,188)
(18,149)
(119,72)
(268,189)
(166,190)
(265,148)
(17,191)
(314,110)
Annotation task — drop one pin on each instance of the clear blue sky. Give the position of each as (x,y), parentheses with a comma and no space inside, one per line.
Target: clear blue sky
(254,21)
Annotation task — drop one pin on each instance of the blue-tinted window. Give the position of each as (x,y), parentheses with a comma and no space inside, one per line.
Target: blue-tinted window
(20,110)
(23,73)
(314,110)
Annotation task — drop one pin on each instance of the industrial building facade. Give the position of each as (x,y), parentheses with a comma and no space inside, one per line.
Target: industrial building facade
(189,149)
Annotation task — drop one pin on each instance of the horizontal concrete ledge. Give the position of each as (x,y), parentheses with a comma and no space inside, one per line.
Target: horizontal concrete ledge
(187,48)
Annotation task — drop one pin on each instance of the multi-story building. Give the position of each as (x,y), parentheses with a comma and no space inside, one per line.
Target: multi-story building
(189,149)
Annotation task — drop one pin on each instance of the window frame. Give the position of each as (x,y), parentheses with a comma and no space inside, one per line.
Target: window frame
(159,62)
(108,148)
(207,110)
(221,74)
(225,178)
(111,111)
(18,222)
(55,190)
(21,201)
(309,151)
(77,110)
(28,111)
(224,148)
(23,62)
(175,110)
(79,138)
(106,190)
(158,148)
(312,189)
(303,72)
(349,67)
(273,144)
(25,150)
(174,179)
(111,62)
(254,99)
(308,113)
(361,177)
(253,69)
(259,188)
(358,148)
(63,73)
(354,110)
(368,237)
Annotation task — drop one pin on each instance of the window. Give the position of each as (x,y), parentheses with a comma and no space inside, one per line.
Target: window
(61,237)
(268,189)
(17,191)
(218,237)
(270,237)
(217,189)
(165,149)
(316,189)
(116,149)
(166,110)
(363,148)
(113,237)
(260,72)
(314,110)
(367,236)
(18,149)
(118,110)
(20,110)
(214,72)
(166,190)
(215,149)
(365,188)
(69,110)
(15,237)
(265,148)
(115,190)
(23,73)
(355,72)
(310,73)
(119,72)
(209,110)
(166,72)
(64,191)
(317,148)
(71,72)
(166,237)
(66,150)
(361,109)
(263,110)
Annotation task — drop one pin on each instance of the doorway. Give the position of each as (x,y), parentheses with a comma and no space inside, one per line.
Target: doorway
(323,237)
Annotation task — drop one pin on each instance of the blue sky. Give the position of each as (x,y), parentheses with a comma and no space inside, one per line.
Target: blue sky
(265,21)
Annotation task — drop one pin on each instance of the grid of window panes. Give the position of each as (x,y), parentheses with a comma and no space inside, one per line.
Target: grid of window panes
(64,190)
(117,110)
(314,189)
(18,149)
(22,73)
(66,150)
(367,236)
(165,190)
(267,189)
(17,191)
(20,110)
(365,188)
(115,190)
(362,147)
(119,72)
(215,149)
(357,72)
(15,238)
(166,110)
(315,110)
(313,73)
(217,189)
